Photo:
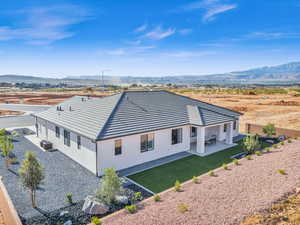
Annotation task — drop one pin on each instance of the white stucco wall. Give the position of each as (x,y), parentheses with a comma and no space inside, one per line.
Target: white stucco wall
(86,155)
(131,152)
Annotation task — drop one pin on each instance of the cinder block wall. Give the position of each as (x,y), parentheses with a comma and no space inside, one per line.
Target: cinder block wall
(257,129)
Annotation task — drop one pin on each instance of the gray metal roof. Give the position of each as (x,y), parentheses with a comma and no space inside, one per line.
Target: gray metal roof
(134,112)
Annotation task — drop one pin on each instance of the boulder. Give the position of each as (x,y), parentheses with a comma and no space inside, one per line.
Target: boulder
(92,206)
(69,222)
(122,199)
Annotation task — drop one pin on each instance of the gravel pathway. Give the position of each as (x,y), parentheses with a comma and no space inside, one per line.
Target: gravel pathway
(226,198)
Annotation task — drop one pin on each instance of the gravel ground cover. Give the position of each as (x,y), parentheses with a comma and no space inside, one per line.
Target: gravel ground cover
(74,213)
(62,176)
(225,198)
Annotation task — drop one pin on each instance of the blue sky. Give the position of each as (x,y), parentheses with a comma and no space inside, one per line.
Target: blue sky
(146,38)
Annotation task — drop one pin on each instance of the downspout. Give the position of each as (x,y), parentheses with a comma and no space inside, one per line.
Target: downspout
(97,174)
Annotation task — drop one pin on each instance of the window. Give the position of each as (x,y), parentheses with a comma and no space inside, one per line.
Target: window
(118,147)
(57,131)
(67,138)
(193,131)
(147,142)
(176,136)
(78,142)
(225,127)
(234,125)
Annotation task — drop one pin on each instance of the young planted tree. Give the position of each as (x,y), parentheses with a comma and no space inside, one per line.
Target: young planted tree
(251,144)
(110,186)
(7,147)
(269,130)
(31,174)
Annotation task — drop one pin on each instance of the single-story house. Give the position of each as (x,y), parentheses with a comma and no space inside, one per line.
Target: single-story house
(134,127)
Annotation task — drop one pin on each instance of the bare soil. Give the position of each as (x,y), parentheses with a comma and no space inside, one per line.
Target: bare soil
(282,110)
(226,198)
(285,212)
(9,112)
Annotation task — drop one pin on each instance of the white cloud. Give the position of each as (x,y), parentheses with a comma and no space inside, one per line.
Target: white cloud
(159,33)
(185,31)
(189,54)
(44,25)
(211,8)
(141,28)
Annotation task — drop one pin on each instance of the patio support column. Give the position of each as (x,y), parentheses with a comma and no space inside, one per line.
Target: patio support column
(201,140)
(220,133)
(229,133)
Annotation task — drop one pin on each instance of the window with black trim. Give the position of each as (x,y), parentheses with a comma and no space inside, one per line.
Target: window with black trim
(176,136)
(67,138)
(225,127)
(147,142)
(118,147)
(234,125)
(57,132)
(193,131)
(78,142)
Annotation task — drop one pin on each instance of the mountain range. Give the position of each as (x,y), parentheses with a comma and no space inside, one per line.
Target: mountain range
(289,72)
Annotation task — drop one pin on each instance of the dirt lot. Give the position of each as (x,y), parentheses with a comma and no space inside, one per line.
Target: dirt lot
(9,112)
(40,98)
(282,110)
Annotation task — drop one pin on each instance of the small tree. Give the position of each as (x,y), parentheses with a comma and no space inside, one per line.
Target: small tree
(110,186)
(31,174)
(2,132)
(6,146)
(269,130)
(251,144)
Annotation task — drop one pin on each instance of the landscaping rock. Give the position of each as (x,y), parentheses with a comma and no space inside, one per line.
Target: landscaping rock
(92,206)
(63,213)
(122,199)
(69,222)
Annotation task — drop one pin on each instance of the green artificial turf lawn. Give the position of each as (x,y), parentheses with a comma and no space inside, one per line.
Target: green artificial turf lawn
(163,177)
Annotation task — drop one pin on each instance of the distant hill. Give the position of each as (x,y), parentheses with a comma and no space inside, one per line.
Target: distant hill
(282,73)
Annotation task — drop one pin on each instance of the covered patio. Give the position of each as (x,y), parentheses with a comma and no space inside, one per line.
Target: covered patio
(210,139)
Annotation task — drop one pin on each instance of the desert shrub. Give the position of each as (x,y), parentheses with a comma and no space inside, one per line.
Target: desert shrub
(269,130)
(268,149)
(137,197)
(282,172)
(110,187)
(275,146)
(236,162)
(182,207)
(69,198)
(195,179)
(258,153)
(15,133)
(248,157)
(282,143)
(13,160)
(290,140)
(211,173)
(2,132)
(96,221)
(156,198)
(177,186)
(251,144)
(131,208)
(296,138)
(225,166)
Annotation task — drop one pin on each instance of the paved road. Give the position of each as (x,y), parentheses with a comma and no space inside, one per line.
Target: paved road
(24,107)
(16,121)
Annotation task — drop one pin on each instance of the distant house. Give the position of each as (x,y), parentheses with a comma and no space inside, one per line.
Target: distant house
(134,127)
